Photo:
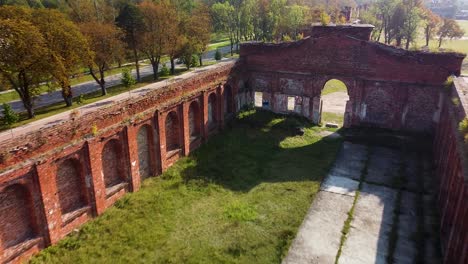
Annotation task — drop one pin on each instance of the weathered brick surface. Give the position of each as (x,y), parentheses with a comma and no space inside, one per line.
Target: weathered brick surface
(54,180)
(452,170)
(388,87)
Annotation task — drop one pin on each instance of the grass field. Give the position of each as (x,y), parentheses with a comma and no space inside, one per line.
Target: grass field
(464,25)
(240,198)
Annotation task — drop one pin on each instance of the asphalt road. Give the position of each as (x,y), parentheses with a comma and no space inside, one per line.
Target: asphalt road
(91,86)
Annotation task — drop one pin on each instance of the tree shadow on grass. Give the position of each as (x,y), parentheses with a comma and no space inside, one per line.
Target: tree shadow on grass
(263,147)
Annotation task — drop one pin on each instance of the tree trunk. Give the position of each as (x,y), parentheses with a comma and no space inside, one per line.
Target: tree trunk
(155,66)
(200,58)
(67,96)
(137,64)
(427,36)
(440,42)
(232,46)
(172,66)
(27,103)
(102,82)
(408,43)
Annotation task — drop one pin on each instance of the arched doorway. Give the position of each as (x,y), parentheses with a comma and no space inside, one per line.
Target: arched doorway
(194,121)
(212,111)
(144,143)
(334,99)
(172,132)
(70,186)
(17,217)
(112,164)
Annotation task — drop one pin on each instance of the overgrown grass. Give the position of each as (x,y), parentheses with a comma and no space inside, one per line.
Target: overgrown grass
(240,198)
(332,118)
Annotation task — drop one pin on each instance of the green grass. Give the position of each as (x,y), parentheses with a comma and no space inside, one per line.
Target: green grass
(333,86)
(215,46)
(240,198)
(332,118)
(60,107)
(464,25)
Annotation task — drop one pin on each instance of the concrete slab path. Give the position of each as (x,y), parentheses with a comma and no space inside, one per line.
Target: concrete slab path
(382,194)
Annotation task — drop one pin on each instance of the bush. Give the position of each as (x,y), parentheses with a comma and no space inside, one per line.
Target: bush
(324,18)
(164,71)
(218,55)
(127,79)
(195,61)
(9,116)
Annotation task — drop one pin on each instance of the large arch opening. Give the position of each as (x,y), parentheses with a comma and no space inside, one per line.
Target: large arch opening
(212,110)
(334,99)
(112,164)
(172,132)
(194,121)
(144,143)
(16,225)
(70,186)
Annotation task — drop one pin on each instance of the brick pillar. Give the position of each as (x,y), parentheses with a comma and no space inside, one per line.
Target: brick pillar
(185,128)
(48,187)
(161,119)
(132,147)
(204,115)
(220,95)
(97,176)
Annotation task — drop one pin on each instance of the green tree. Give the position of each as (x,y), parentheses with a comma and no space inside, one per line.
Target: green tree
(105,43)
(450,29)
(130,20)
(9,116)
(127,79)
(22,63)
(67,59)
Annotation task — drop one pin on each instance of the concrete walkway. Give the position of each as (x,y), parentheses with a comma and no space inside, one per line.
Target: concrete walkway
(64,116)
(389,218)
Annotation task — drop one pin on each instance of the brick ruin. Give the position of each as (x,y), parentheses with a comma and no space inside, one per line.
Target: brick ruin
(54,180)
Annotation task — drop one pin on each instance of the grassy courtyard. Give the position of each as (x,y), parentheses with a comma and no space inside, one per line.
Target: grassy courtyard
(240,198)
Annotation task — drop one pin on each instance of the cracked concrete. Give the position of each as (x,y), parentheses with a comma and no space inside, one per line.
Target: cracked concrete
(382,227)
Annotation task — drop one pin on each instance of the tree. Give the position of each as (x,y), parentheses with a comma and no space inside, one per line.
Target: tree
(157,20)
(130,20)
(127,79)
(67,47)
(450,29)
(431,24)
(199,30)
(105,42)
(9,116)
(224,21)
(411,22)
(175,39)
(22,49)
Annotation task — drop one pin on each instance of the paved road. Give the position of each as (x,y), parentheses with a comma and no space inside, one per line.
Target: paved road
(62,117)
(91,86)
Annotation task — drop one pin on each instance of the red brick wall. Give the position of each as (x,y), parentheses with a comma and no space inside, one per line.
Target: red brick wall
(72,172)
(70,185)
(452,168)
(388,87)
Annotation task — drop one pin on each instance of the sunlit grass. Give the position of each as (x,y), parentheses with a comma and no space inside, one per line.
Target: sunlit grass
(240,198)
